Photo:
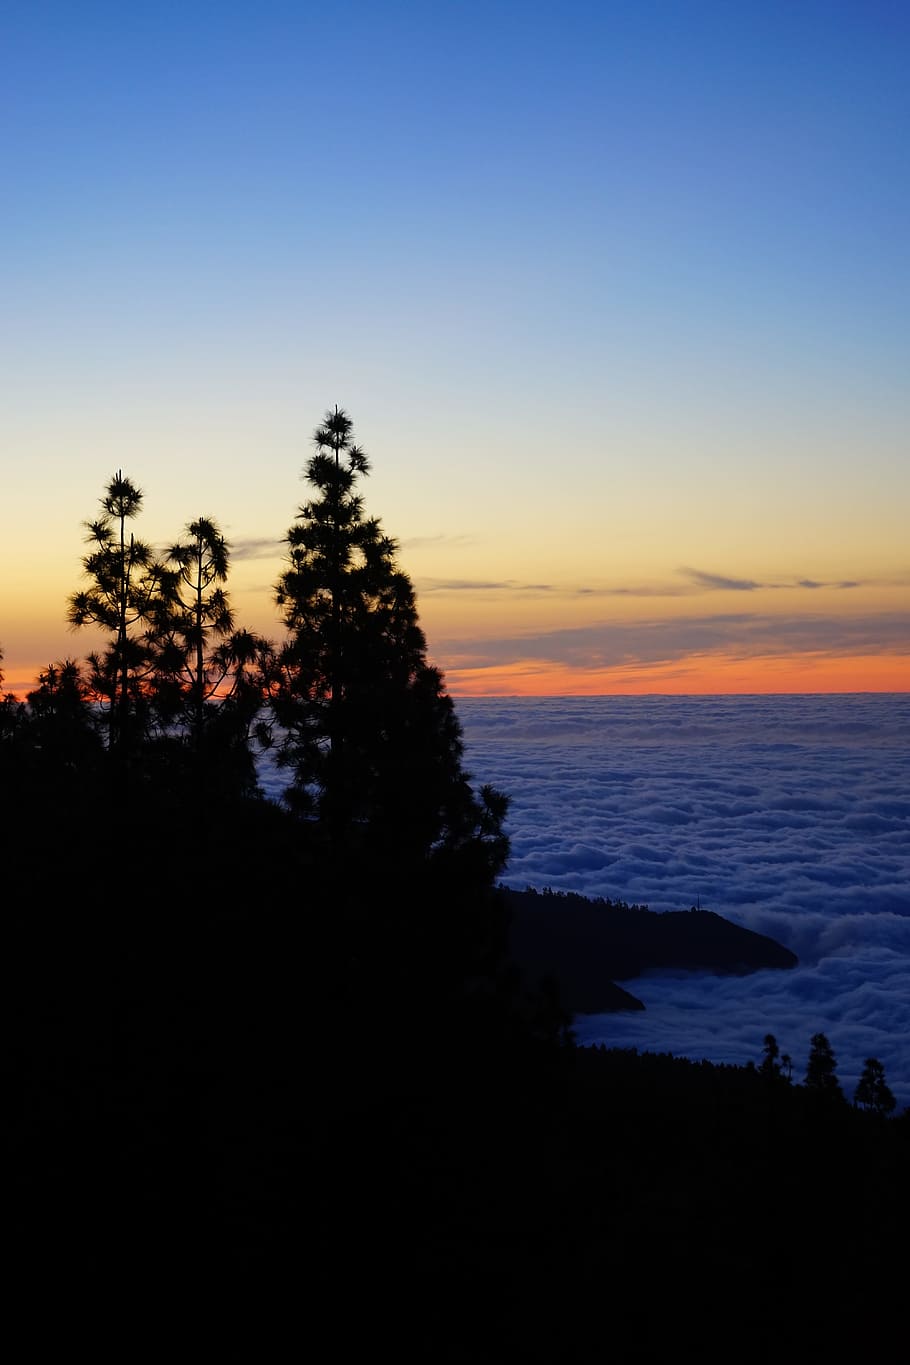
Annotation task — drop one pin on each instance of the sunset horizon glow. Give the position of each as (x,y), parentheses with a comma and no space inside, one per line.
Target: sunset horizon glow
(798,674)
(731,677)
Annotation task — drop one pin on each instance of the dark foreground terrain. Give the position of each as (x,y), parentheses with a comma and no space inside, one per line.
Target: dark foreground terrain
(247,1095)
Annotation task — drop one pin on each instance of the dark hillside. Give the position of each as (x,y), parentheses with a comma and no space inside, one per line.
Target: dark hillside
(229,1097)
(588,945)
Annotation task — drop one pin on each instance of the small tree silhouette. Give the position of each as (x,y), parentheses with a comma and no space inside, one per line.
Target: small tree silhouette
(10,711)
(821,1069)
(872,1092)
(207,670)
(62,727)
(770,1066)
(201,615)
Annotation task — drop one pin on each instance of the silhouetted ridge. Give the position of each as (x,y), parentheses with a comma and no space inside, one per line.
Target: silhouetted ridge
(587,945)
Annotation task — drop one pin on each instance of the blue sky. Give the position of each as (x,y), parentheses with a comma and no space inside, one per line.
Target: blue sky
(609,290)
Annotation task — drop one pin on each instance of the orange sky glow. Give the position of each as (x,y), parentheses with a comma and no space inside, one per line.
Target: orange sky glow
(710,676)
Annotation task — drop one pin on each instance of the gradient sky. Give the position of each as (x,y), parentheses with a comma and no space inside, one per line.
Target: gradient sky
(617,295)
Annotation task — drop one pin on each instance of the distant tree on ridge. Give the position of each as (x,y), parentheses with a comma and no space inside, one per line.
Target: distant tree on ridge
(770,1066)
(872,1092)
(821,1068)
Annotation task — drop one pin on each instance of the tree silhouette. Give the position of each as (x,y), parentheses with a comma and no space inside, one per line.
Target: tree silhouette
(63,730)
(371,736)
(201,616)
(872,1092)
(128,597)
(208,672)
(821,1069)
(770,1066)
(11,711)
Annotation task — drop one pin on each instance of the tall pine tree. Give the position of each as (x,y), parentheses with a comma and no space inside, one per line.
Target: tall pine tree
(128,596)
(372,741)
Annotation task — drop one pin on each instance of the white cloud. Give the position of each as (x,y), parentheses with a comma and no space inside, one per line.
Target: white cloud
(788,815)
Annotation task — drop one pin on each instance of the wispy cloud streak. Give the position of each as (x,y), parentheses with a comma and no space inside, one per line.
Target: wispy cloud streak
(257,549)
(742,634)
(720,582)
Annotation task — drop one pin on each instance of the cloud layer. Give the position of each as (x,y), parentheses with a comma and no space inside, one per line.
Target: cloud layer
(789,815)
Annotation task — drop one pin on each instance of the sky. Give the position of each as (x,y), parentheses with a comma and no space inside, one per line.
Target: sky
(616,294)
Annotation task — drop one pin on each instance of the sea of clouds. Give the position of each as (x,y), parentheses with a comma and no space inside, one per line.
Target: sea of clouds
(789,815)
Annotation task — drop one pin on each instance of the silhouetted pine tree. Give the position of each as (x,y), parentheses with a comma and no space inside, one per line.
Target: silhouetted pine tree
(403,853)
(201,618)
(209,675)
(11,713)
(821,1068)
(128,596)
(371,737)
(63,731)
(872,1091)
(770,1065)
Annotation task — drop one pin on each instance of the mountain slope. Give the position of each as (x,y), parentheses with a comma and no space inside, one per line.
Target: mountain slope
(589,945)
